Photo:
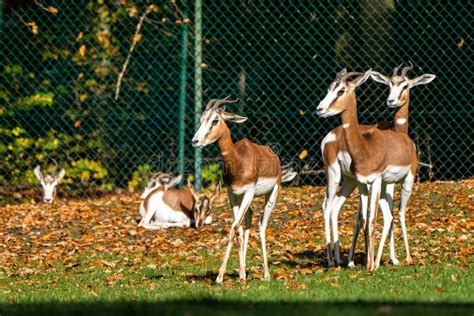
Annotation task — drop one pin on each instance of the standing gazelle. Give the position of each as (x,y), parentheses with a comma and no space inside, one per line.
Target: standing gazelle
(337,162)
(49,182)
(379,157)
(399,99)
(249,170)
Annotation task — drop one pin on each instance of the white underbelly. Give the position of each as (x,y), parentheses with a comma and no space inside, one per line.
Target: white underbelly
(394,174)
(263,186)
(163,212)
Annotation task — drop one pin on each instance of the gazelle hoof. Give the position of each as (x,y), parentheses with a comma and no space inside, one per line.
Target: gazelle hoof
(266,277)
(395,262)
(331,263)
(219,279)
(409,260)
(351,265)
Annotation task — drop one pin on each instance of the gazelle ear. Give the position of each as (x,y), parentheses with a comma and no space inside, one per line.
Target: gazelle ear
(226,116)
(173,182)
(362,78)
(61,175)
(377,76)
(424,79)
(37,173)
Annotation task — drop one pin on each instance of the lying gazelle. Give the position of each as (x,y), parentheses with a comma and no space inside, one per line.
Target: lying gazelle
(157,180)
(49,182)
(378,157)
(249,170)
(170,207)
(337,162)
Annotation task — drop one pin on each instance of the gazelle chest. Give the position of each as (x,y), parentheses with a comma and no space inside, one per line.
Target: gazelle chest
(345,162)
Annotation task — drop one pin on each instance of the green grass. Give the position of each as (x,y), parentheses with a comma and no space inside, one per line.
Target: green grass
(173,272)
(180,288)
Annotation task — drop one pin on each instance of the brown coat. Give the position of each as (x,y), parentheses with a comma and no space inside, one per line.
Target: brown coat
(246,162)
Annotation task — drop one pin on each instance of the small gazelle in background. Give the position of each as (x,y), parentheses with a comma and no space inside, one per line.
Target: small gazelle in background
(49,181)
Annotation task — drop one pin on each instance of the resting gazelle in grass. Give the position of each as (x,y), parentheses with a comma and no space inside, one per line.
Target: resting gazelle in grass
(379,157)
(159,179)
(49,181)
(249,170)
(169,207)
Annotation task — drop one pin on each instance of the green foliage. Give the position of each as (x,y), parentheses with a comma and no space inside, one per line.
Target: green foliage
(139,178)
(211,173)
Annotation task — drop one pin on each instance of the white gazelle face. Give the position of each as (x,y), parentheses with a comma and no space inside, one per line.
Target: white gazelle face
(327,107)
(206,134)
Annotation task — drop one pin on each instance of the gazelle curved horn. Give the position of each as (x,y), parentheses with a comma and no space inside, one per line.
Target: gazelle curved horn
(191,189)
(210,104)
(223,101)
(350,74)
(406,69)
(395,71)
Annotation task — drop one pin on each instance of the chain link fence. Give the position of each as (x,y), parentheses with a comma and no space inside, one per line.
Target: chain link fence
(62,61)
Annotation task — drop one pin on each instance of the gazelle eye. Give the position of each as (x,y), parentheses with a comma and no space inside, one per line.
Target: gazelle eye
(340,92)
(215,121)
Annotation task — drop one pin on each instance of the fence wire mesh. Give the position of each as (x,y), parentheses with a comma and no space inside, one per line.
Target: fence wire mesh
(61,62)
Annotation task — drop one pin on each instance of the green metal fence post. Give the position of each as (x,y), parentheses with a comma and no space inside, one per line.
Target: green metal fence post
(182,96)
(197,87)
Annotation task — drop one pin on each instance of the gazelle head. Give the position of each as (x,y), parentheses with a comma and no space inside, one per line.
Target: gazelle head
(203,205)
(213,122)
(49,182)
(160,179)
(400,84)
(340,93)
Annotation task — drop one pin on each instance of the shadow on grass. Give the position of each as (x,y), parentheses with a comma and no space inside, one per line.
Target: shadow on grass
(311,258)
(208,307)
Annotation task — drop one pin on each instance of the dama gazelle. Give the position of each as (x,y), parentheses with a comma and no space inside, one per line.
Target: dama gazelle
(159,179)
(378,157)
(398,99)
(249,170)
(49,182)
(170,207)
(337,164)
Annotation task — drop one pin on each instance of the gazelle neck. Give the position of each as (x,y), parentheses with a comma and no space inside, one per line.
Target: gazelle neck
(355,142)
(226,145)
(400,123)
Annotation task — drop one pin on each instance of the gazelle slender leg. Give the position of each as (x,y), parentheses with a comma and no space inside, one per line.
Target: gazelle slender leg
(387,222)
(235,201)
(389,197)
(407,187)
(360,220)
(347,187)
(370,232)
(248,225)
(270,202)
(147,218)
(333,179)
(247,198)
